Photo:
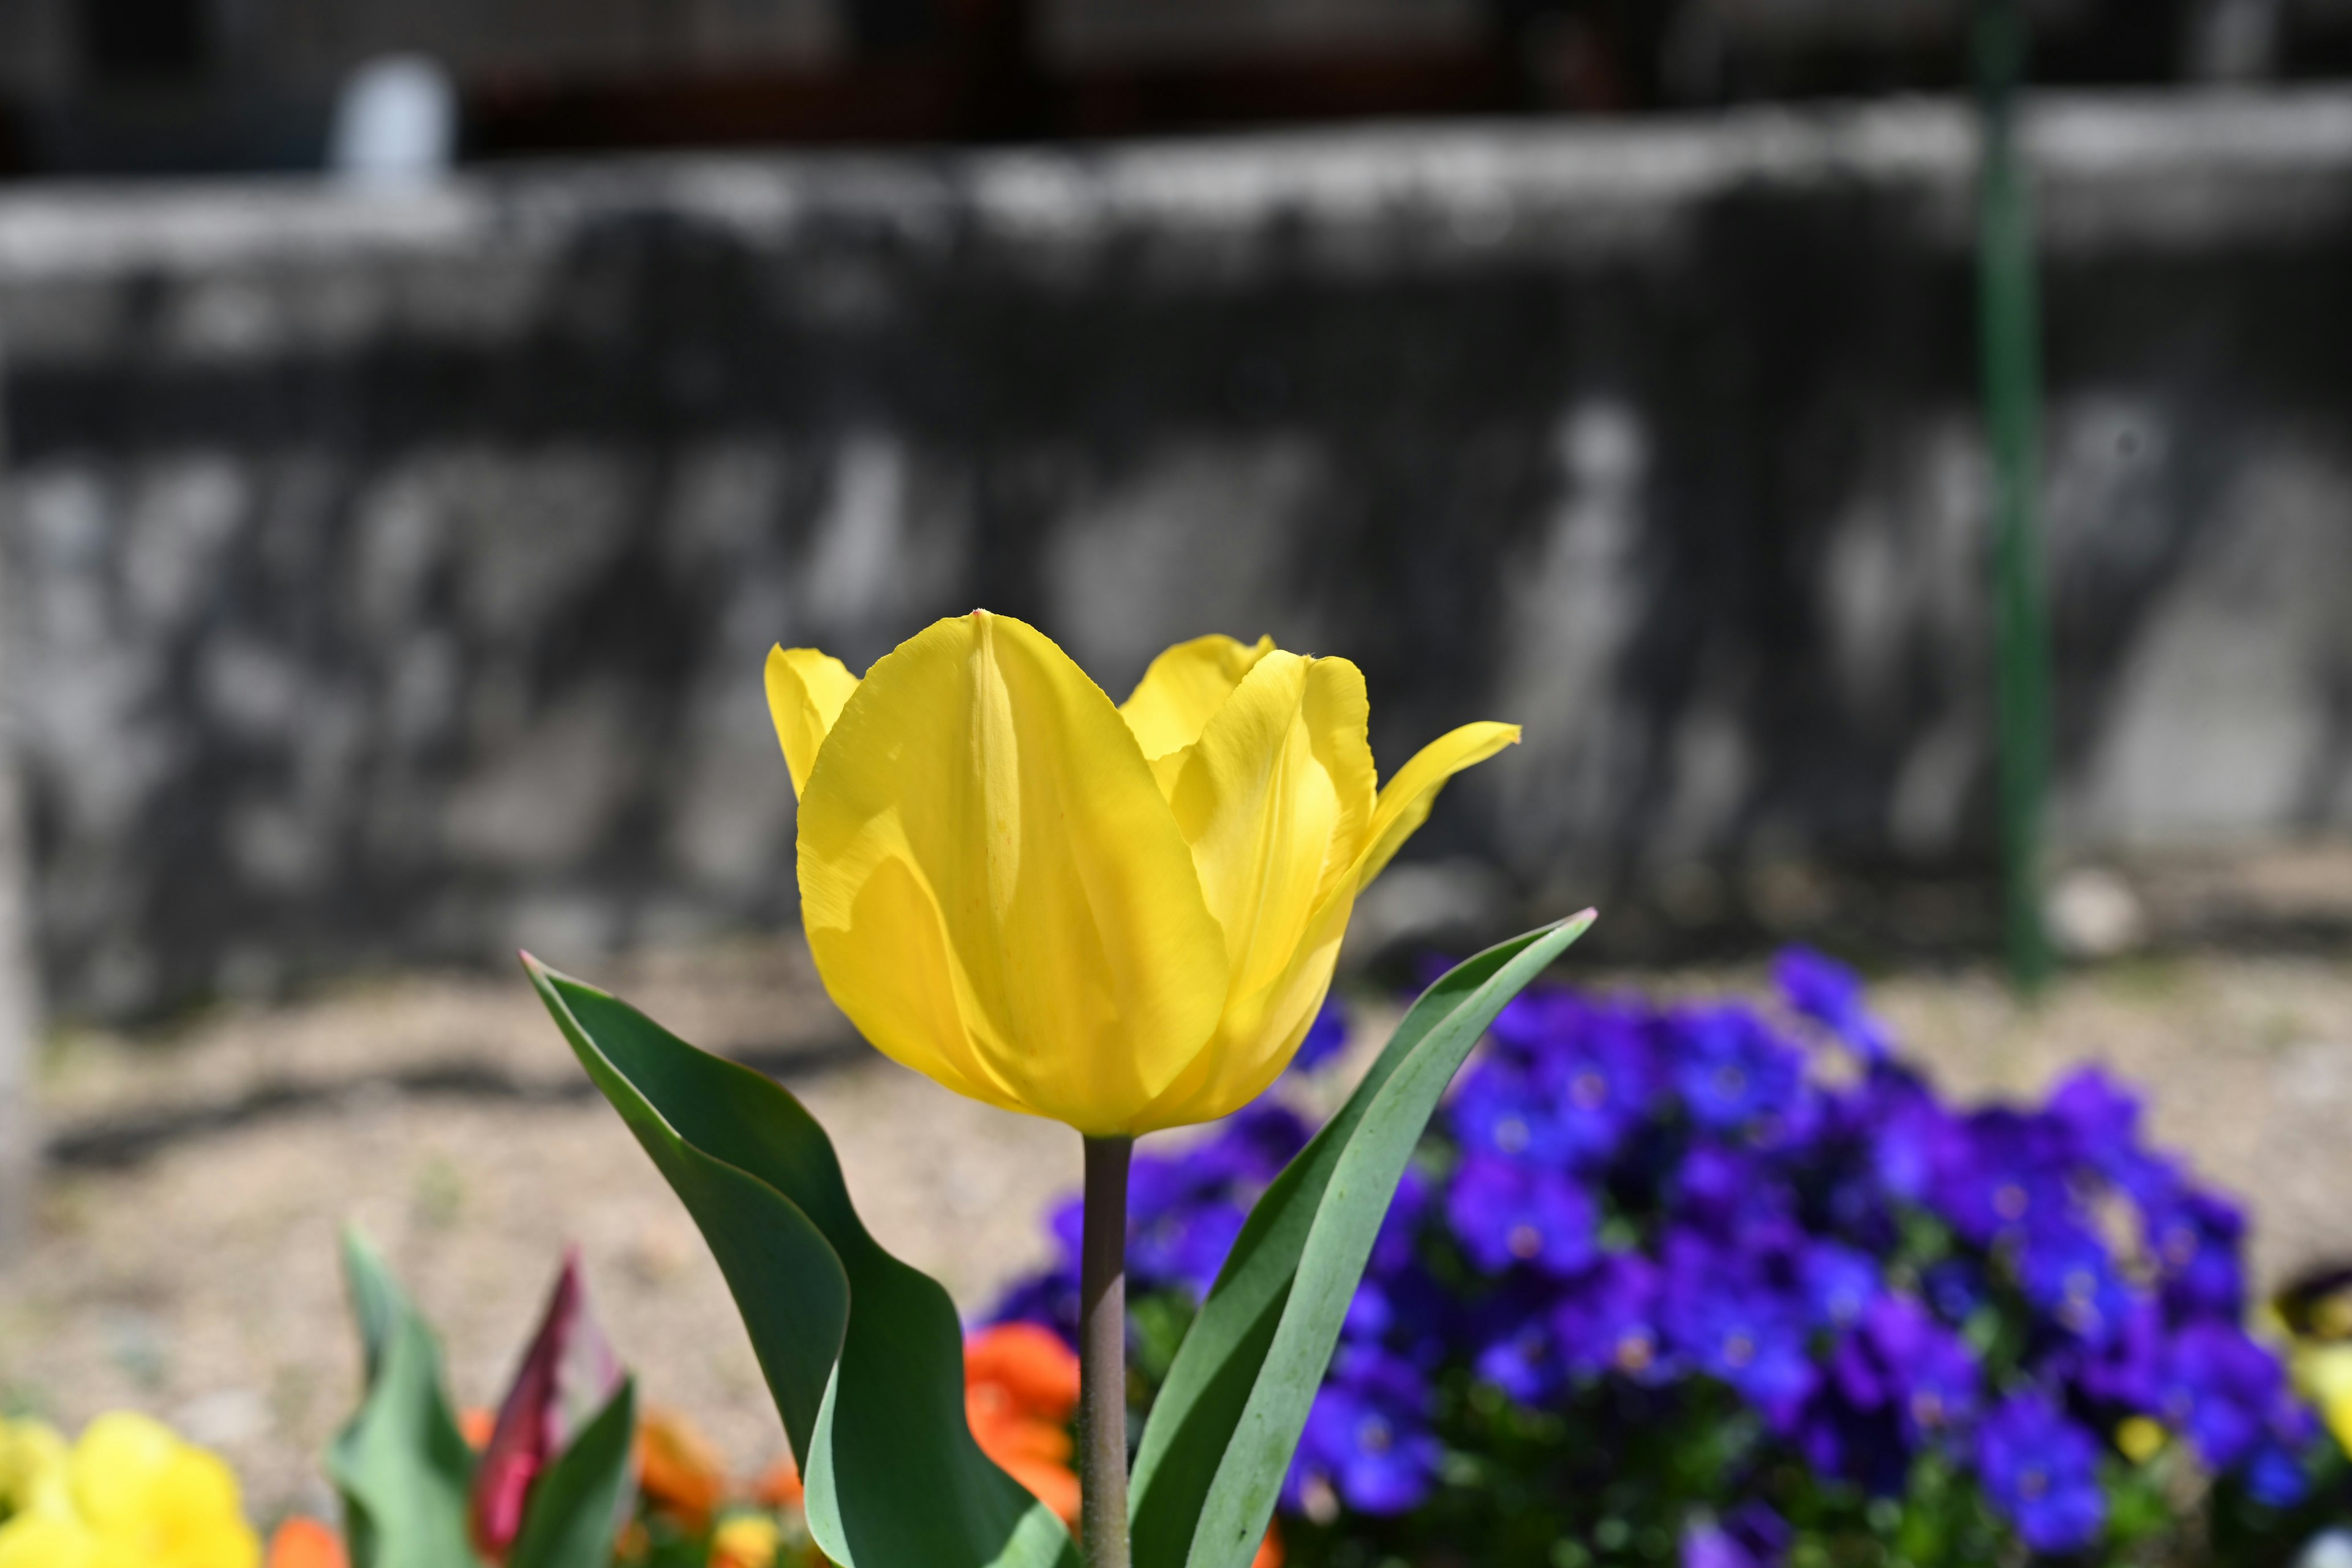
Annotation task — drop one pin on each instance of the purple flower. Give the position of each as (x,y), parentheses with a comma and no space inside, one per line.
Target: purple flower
(1831,994)
(1048,1298)
(1839,1282)
(1707,1545)
(2196,1241)
(2042,1472)
(1913,1139)
(1750,1536)
(2006,1170)
(1732,1072)
(2226,1392)
(2064,1269)
(1901,1359)
(2127,1368)
(1184,1245)
(1409,1314)
(1250,1148)
(1606,1320)
(1599,1081)
(2275,1477)
(1500,1110)
(1724,1316)
(1954,1288)
(2101,1115)
(1732,1192)
(1367,1437)
(1516,1353)
(1898,1381)
(1506,1211)
(1326,1038)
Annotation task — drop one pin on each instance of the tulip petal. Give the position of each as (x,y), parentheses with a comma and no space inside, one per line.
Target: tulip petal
(1276,799)
(805,692)
(1278,777)
(566,1376)
(996,891)
(1406,798)
(1184,687)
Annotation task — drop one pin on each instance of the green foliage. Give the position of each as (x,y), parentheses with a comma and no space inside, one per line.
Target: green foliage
(1224,1427)
(863,1354)
(406,1473)
(400,1462)
(577,1502)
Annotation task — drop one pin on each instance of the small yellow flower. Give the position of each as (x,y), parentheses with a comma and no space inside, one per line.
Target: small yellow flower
(32,1468)
(2139,1438)
(745,1541)
(2324,1372)
(49,1541)
(1120,918)
(135,1496)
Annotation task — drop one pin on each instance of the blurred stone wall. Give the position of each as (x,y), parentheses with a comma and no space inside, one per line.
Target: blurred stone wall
(389,580)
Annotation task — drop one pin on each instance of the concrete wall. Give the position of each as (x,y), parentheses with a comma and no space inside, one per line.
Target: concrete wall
(389,580)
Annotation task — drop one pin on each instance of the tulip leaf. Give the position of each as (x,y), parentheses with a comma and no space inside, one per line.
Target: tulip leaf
(1229,1417)
(863,1353)
(577,1503)
(399,1463)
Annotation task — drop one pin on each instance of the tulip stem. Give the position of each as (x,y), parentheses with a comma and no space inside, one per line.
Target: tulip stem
(1102,1356)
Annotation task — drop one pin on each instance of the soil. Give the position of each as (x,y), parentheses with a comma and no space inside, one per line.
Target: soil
(184,1257)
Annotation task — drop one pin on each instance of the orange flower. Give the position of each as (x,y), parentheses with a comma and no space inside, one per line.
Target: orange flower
(475,1427)
(1269,1551)
(306,1543)
(1020,1385)
(677,1471)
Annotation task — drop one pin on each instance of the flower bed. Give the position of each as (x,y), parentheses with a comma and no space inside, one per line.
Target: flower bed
(1713,1282)
(1733,1279)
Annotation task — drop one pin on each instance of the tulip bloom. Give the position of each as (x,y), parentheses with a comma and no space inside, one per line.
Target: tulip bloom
(566,1377)
(1120,918)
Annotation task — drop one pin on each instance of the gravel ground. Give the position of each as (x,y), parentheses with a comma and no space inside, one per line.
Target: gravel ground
(185,1257)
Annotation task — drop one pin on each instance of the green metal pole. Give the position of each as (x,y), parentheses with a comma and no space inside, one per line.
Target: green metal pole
(2010,333)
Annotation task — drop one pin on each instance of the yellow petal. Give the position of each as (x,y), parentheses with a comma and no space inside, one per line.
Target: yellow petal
(1276,799)
(195,1516)
(1261,1033)
(1406,798)
(46,1541)
(996,891)
(805,692)
(1265,794)
(34,1469)
(1171,704)
(115,1465)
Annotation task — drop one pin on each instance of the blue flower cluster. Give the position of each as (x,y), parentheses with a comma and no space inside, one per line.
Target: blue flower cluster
(1621,1196)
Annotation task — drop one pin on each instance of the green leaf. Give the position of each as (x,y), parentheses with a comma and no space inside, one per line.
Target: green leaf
(575,1505)
(401,1464)
(863,1353)
(1224,1427)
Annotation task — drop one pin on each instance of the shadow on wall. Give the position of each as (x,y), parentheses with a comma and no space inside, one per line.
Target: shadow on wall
(392,581)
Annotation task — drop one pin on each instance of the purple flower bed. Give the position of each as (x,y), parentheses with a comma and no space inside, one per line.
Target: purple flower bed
(1733,1282)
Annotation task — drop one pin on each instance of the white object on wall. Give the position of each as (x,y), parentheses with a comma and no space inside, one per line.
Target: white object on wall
(395,123)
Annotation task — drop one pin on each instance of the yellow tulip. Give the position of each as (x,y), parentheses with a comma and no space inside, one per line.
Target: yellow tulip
(1120,918)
